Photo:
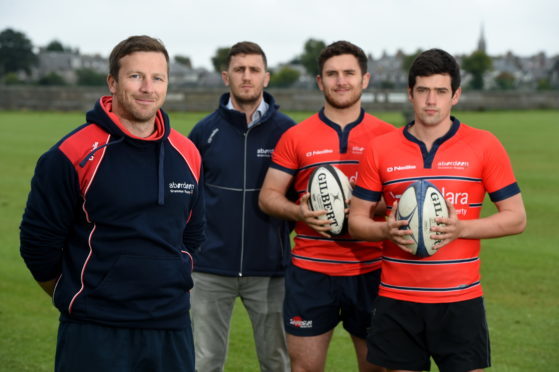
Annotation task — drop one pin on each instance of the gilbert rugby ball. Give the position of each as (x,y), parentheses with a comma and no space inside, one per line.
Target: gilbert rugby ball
(420,203)
(329,189)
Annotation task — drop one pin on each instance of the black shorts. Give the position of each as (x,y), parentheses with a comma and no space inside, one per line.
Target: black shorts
(404,335)
(315,303)
(88,347)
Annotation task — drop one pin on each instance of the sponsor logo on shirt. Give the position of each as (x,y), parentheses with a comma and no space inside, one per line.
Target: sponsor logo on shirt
(460,200)
(357,149)
(93,147)
(319,152)
(397,168)
(456,164)
(298,322)
(181,188)
(264,153)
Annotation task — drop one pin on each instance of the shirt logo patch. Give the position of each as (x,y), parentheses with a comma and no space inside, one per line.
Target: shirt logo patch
(181,188)
(400,168)
(453,164)
(357,149)
(319,152)
(298,322)
(264,153)
(93,147)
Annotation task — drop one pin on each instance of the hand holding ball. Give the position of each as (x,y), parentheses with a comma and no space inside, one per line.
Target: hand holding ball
(420,203)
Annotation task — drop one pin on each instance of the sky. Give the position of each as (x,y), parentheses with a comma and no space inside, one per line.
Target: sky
(281,27)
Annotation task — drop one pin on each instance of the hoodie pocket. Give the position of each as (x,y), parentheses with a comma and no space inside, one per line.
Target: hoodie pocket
(142,288)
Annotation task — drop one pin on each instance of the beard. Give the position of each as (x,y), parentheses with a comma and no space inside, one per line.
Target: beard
(247,99)
(341,104)
(133,112)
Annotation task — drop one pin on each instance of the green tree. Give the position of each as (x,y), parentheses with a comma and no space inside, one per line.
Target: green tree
(477,64)
(52,79)
(183,60)
(91,78)
(309,58)
(219,60)
(284,78)
(16,52)
(409,58)
(11,78)
(56,46)
(505,81)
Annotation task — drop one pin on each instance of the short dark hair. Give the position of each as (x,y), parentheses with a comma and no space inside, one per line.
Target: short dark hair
(432,62)
(342,47)
(246,47)
(131,45)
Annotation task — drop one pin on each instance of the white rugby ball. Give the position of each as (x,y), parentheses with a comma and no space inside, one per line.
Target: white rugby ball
(329,190)
(420,203)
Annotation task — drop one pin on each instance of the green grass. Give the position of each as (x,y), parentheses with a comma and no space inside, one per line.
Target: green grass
(519,273)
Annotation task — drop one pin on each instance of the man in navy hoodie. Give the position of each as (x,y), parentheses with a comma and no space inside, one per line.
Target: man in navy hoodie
(113,210)
(246,251)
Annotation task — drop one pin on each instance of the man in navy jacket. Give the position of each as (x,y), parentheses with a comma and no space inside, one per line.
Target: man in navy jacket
(113,210)
(246,251)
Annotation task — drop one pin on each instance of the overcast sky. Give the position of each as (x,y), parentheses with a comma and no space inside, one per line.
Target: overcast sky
(198,28)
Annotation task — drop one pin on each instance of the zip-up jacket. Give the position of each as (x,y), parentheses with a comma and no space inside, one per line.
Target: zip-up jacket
(112,216)
(241,240)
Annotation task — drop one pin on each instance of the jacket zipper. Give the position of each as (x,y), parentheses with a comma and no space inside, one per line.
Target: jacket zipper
(244,201)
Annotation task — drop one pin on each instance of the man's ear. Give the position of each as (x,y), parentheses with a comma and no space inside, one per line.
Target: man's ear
(456,96)
(366,80)
(225,78)
(111,83)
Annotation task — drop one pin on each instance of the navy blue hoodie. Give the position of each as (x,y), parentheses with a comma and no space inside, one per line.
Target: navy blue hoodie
(241,240)
(112,217)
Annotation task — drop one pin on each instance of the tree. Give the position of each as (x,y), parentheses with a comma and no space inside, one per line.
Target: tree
(91,78)
(477,64)
(219,60)
(11,78)
(505,81)
(309,58)
(16,52)
(284,78)
(183,60)
(56,46)
(52,79)
(409,58)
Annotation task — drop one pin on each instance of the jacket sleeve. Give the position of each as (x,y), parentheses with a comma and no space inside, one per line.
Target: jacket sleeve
(49,214)
(195,230)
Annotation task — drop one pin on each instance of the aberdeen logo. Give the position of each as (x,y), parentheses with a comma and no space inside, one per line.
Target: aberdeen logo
(453,164)
(298,322)
(181,188)
(264,153)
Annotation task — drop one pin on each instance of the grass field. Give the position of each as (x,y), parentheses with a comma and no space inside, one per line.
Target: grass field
(519,273)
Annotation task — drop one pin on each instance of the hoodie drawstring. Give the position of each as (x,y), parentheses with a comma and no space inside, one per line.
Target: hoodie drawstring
(91,153)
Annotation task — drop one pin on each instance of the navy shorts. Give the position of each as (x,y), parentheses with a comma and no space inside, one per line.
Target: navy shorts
(404,335)
(315,303)
(88,347)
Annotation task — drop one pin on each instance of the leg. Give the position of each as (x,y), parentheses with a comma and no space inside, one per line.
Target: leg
(308,354)
(263,299)
(212,299)
(360,345)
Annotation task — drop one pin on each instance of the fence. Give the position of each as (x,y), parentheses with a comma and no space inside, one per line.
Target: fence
(205,100)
